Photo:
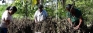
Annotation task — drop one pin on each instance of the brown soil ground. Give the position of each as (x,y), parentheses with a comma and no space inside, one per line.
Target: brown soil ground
(50,25)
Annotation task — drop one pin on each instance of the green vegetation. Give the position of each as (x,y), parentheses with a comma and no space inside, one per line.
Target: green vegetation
(2,9)
(27,8)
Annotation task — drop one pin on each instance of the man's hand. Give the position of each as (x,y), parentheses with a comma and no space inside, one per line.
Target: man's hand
(77,27)
(36,21)
(7,21)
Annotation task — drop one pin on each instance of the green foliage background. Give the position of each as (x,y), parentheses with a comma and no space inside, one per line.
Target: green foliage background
(86,6)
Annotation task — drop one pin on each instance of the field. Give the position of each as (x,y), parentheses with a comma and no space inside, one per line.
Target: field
(50,25)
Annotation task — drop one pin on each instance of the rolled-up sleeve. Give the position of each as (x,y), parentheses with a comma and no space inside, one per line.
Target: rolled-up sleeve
(68,15)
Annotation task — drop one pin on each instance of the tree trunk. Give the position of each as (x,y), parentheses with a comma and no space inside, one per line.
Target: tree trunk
(63,3)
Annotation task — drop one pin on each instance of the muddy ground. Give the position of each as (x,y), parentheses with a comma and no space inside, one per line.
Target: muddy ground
(50,25)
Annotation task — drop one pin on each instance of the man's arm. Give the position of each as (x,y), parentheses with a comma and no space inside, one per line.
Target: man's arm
(35,17)
(69,21)
(7,21)
(46,15)
(80,21)
(36,20)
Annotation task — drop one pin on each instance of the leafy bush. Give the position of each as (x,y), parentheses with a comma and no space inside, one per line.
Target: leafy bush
(2,9)
(85,7)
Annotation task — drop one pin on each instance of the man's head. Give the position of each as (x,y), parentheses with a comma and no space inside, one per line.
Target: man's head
(11,9)
(40,7)
(70,8)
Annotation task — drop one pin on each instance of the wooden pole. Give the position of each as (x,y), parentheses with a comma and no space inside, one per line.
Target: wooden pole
(56,10)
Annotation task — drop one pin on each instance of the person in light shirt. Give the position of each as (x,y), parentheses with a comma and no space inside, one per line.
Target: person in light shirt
(40,14)
(7,18)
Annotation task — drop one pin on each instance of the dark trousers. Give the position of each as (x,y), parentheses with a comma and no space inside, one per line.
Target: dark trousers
(3,30)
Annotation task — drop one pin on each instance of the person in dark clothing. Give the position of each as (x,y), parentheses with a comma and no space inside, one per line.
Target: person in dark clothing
(74,17)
